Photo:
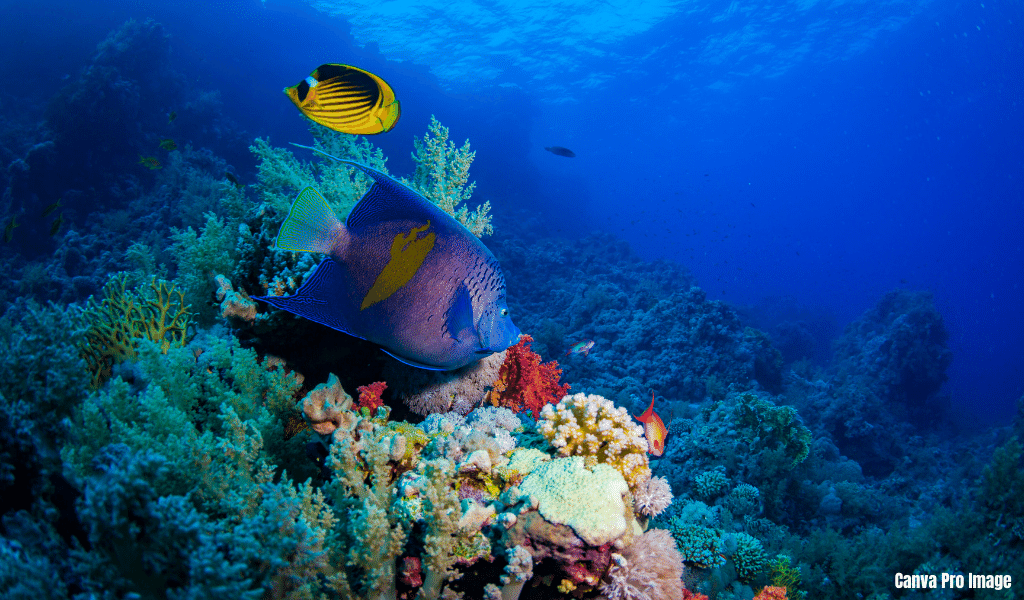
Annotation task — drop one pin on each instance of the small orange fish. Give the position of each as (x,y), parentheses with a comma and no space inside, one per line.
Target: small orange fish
(654,429)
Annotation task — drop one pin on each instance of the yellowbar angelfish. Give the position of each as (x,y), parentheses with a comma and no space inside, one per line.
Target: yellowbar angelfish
(346,99)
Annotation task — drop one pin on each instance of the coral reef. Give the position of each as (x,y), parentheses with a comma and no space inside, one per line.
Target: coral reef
(524,383)
(594,428)
(442,173)
(163,436)
(124,316)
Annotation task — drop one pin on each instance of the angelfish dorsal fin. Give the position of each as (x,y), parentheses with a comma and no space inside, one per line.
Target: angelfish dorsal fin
(311,225)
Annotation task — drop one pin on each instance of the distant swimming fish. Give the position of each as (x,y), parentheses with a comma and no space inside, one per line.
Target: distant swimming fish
(171,116)
(654,430)
(231,177)
(168,144)
(346,99)
(9,230)
(52,207)
(150,162)
(580,348)
(401,273)
(560,151)
(57,224)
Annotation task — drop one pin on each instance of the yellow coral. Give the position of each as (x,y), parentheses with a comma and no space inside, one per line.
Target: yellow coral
(593,427)
(126,316)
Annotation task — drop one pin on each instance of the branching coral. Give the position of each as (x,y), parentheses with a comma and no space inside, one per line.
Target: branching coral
(370,396)
(649,569)
(125,316)
(774,427)
(699,545)
(750,558)
(442,173)
(594,428)
(652,497)
(524,383)
(281,176)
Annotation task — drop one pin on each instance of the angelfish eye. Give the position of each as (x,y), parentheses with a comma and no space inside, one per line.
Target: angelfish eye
(504,312)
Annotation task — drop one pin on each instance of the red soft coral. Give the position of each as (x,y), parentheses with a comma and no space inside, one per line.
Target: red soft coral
(370,396)
(526,384)
(771,593)
(688,595)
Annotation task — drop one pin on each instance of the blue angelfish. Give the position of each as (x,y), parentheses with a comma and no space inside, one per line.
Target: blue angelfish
(401,273)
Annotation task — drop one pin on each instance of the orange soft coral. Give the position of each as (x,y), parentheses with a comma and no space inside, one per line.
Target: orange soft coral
(771,593)
(524,383)
(688,595)
(370,396)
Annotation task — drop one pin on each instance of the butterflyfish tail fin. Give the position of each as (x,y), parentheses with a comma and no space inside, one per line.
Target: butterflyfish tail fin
(311,225)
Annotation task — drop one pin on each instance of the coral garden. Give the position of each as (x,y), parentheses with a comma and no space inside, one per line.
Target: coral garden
(163,435)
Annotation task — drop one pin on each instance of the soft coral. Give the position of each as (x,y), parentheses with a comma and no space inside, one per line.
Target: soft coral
(524,383)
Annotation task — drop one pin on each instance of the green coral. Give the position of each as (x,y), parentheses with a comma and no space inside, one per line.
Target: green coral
(442,176)
(128,315)
(773,427)
(281,176)
(710,484)
(749,557)
(785,574)
(200,258)
(699,545)
(1002,494)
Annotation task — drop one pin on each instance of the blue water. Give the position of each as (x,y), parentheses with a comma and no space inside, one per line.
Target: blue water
(825,153)
(801,159)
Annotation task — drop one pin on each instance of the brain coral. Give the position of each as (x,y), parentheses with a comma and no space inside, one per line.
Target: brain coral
(593,427)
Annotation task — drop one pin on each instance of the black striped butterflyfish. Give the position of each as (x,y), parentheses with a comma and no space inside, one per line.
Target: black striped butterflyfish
(346,99)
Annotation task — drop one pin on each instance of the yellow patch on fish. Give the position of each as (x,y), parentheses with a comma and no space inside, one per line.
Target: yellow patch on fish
(407,254)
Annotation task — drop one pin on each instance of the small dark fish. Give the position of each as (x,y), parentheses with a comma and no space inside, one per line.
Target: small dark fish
(560,151)
(231,177)
(752,204)
(57,224)
(9,230)
(49,209)
(150,162)
(171,116)
(168,144)
(346,99)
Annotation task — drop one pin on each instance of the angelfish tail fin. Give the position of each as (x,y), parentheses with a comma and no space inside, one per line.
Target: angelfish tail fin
(311,225)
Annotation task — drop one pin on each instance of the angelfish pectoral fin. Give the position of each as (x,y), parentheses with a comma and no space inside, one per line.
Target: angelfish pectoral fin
(314,300)
(407,255)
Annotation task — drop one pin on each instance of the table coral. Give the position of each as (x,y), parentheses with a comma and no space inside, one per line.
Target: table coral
(594,428)
(524,383)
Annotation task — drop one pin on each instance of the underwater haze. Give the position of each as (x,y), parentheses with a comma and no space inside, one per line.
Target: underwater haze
(786,236)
